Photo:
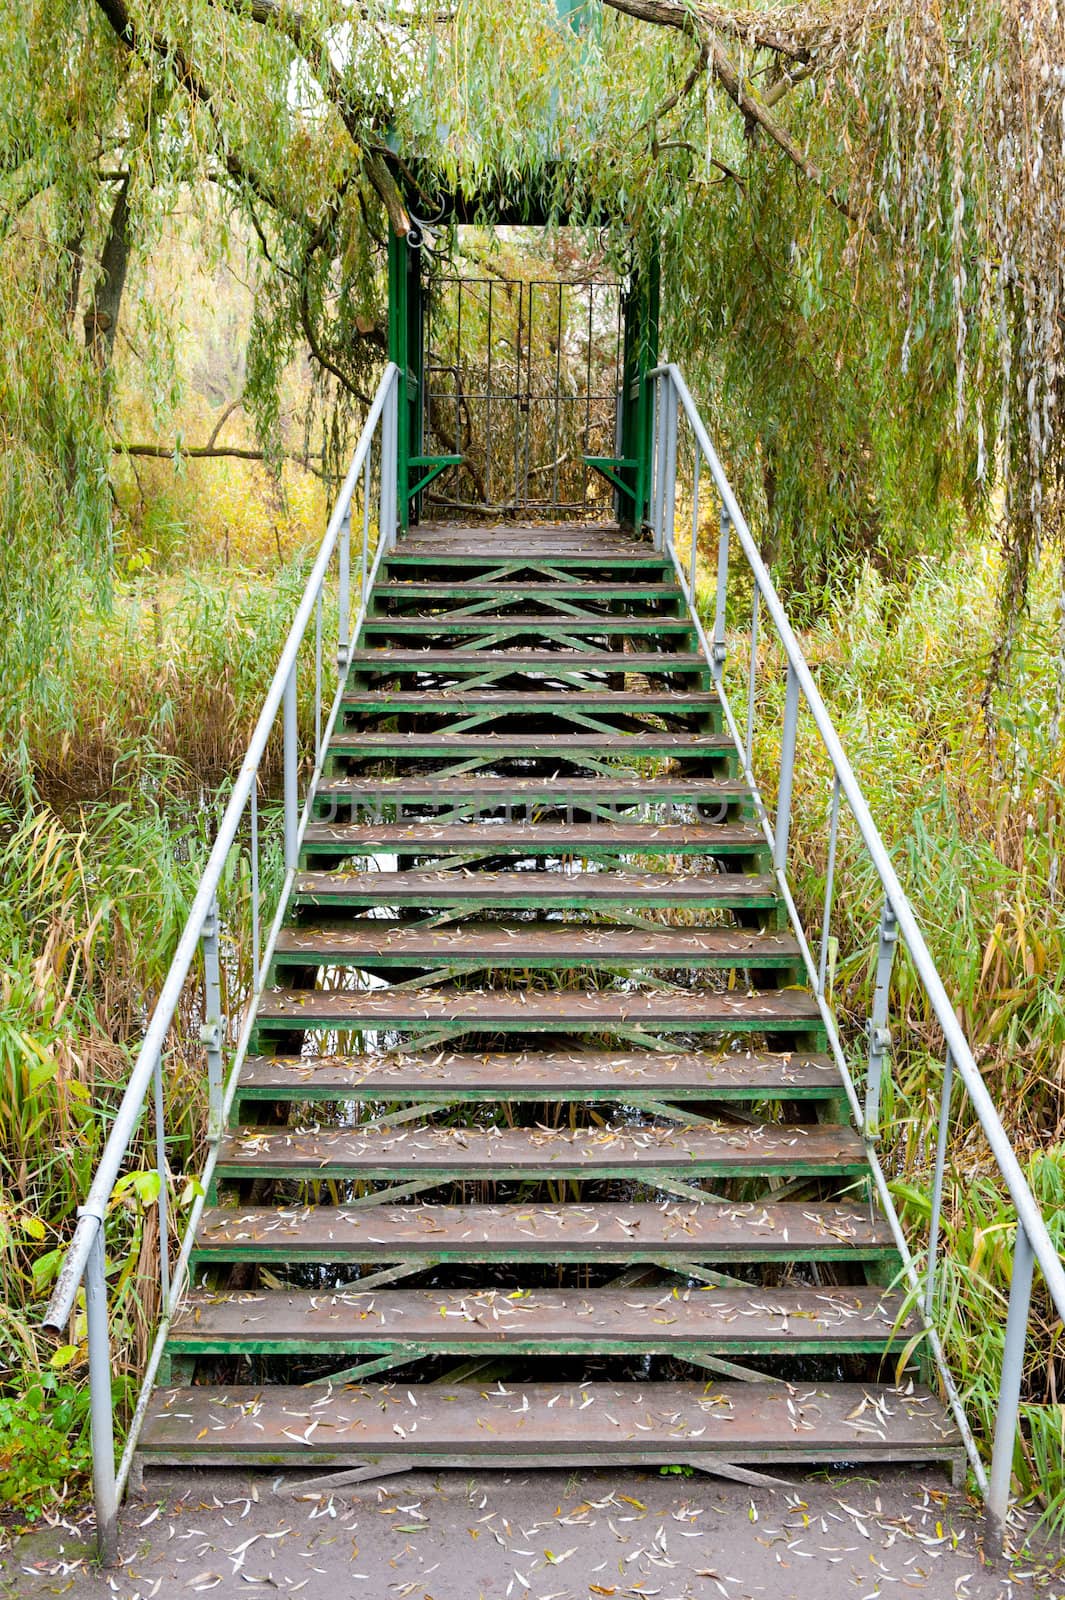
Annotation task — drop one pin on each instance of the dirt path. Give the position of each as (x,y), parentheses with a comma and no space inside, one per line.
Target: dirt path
(547,1536)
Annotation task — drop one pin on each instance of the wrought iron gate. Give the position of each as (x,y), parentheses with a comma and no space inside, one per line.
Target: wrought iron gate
(521,379)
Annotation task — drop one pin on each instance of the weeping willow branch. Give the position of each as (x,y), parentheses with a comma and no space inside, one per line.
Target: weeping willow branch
(322,356)
(678,95)
(296,29)
(166,52)
(171,56)
(699,26)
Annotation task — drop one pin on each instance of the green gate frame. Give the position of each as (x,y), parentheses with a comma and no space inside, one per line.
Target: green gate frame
(629,471)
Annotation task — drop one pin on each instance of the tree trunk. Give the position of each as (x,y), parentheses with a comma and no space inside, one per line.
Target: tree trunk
(101,315)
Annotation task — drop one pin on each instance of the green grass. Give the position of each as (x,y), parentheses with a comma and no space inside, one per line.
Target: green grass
(93,908)
(162,692)
(150,714)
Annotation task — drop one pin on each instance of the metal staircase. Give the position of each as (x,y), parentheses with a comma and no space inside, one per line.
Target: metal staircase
(538,1142)
(556,1020)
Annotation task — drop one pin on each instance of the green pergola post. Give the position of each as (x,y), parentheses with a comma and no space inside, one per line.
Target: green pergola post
(406,347)
(640,356)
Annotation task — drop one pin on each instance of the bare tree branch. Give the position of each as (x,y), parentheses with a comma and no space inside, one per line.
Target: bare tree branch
(752,28)
(177,452)
(224,416)
(787,81)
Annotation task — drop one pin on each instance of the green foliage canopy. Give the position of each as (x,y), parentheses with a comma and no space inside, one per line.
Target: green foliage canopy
(860,206)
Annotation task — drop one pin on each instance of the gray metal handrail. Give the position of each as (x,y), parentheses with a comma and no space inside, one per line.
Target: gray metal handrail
(1033,1242)
(85,1256)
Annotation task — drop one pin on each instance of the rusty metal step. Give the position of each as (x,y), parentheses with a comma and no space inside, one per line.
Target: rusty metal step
(650,1424)
(519,589)
(537,1322)
(592,1075)
(616,1232)
(444,1154)
(414,746)
(486,535)
(549,662)
(513,557)
(545,794)
(513,560)
(538,890)
(415,701)
(426,838)
(441,624)
(378,944)
(526,541)
(445,1010)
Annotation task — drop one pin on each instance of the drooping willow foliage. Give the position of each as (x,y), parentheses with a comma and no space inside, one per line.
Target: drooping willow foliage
(861,210)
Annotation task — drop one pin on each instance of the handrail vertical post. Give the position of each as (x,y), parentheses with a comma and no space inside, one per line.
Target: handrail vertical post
(694,557)
(211,1032)
(253,830)
(382,478)
(878,1030)
(318,682)
(344,592)
(717,645)
(830,885)
(1009,1392)
(787,770)
(669,487)
(290,758)
(659,457)
(365,528)
(752,680)
(389,475)
(398,388)
(100,1402)
(937,1187)
(393,457)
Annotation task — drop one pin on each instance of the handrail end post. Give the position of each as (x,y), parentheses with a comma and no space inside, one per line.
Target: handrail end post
(1009,1394)
(100,1401)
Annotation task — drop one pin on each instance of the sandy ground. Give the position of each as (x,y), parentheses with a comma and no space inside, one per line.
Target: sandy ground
(533,1536)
